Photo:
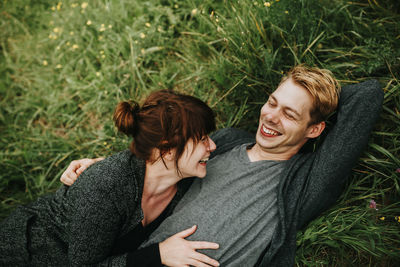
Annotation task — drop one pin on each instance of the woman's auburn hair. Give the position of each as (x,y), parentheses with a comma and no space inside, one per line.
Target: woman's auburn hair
(322,86)
(166,120)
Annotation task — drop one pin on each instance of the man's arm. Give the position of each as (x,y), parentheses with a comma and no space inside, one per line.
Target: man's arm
(358,109)
(75,168)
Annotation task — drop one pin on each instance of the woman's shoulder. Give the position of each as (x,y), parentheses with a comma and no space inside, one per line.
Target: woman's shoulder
(119,170)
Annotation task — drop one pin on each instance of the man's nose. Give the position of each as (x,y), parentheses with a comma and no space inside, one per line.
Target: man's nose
(272,115)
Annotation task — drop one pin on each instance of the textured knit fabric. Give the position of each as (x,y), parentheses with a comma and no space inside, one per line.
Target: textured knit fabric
(80,225)
(313,181)
(235,219)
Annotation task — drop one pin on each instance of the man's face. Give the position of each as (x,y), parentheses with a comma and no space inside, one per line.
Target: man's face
(283,128)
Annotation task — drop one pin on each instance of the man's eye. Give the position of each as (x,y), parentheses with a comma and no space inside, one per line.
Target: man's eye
(289,116)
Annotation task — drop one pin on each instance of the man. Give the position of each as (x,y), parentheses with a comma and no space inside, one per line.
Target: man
(257,195)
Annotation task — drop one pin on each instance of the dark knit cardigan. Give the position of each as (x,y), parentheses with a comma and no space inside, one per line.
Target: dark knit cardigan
(313,181)
(79,225)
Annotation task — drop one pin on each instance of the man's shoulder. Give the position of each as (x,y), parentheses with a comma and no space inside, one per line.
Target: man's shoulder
(228,138)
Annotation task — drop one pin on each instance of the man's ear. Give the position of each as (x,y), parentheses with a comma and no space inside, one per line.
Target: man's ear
(315,130)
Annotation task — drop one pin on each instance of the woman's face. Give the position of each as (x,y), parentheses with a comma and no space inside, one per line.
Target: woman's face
(195,156)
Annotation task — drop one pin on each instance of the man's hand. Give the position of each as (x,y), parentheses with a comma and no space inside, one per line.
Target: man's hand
(75,169)
(176,251)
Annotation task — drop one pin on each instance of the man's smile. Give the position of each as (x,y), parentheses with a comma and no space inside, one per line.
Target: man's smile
(269,132)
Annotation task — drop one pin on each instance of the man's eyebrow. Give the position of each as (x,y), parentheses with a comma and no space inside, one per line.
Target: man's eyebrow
(287,108)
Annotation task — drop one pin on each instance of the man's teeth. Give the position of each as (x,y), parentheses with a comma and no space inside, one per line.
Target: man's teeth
(269,131)
(203,160)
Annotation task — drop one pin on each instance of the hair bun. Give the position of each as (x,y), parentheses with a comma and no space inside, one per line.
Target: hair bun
(125,117)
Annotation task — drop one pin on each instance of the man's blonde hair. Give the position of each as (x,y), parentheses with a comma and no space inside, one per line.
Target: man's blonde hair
(322,86)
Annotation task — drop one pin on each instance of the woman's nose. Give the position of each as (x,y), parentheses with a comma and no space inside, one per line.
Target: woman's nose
(211,145)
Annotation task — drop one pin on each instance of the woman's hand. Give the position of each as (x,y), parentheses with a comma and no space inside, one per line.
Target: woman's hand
(177,251)
(75,168)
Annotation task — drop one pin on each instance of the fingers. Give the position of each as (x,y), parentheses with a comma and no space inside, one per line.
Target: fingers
(203,260)
(187,232)
(203,245)
(67,180)
(98,159)
(75,168)
(80,170)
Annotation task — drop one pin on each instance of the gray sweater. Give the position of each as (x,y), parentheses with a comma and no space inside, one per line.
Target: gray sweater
(235,205)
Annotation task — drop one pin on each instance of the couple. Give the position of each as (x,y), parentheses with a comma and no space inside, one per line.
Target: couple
(254,198)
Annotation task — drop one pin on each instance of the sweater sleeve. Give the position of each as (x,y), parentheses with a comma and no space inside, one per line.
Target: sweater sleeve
(97,213)
(358,109)
(93,228)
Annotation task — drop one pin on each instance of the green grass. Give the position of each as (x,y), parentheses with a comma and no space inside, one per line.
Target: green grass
(64,66)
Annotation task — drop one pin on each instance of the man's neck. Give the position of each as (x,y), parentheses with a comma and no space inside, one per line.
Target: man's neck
(256,153)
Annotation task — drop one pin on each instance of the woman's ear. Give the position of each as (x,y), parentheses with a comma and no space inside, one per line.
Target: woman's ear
(170,155)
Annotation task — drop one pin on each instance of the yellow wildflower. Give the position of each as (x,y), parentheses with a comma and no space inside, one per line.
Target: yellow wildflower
(68,43)
(57,30)
(75,46)
(53,8)
(105,143)
(45,63)
(73,5)
(102,28)
(103,56)
(159,28)
(100,37)
(110,26)
(101,52)
(84,5)
(216,20)
(194,12)
(98,74)
(58,47)
(267,4)
(58,66)
(89,22)
(286,12)
(176,6)
(143,51)
(382,218)
(147,24)
(59,5)
(71,33)
(142,35)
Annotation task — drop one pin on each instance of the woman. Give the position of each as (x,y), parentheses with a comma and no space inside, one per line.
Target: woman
(119,201)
